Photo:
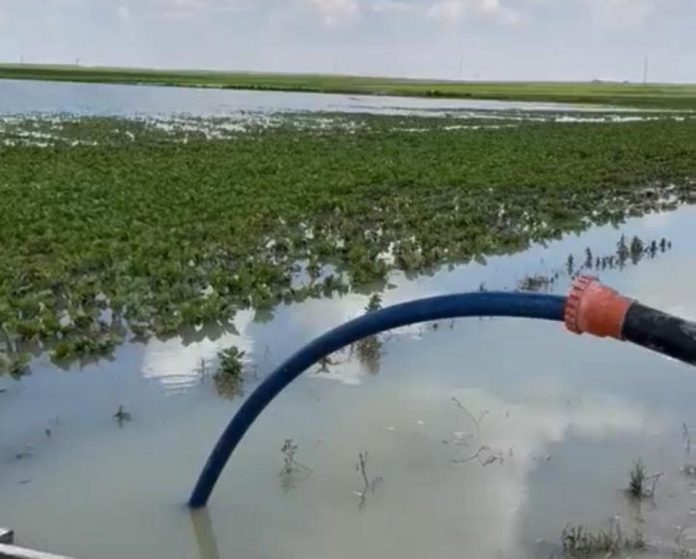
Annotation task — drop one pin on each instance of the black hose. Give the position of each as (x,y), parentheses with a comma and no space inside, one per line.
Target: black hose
(661,332)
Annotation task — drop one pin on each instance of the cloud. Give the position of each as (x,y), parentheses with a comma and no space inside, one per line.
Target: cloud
(124,12)
(66,3)
(203,8)
(445,11)
(199,4)
(336,11)
(394,6)
(496,10)
(624,13)
(547,39)
(454,11)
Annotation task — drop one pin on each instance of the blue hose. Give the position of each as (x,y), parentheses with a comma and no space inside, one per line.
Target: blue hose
(526,305)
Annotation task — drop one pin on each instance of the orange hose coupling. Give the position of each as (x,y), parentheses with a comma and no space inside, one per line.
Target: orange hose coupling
(595,309)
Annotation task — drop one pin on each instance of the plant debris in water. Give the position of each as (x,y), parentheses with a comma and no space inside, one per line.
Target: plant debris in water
(18,366)
(122,416)
(640,484)
(369,484)
(639,249)
(579,542)
(369,349)
(292,470)
(228,377)
(129,235)
(231,362)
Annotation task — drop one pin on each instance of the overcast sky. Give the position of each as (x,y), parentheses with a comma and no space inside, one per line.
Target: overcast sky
(469,39)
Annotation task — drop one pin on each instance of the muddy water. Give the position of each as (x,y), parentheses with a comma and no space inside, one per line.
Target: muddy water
(561,420)
(25,97)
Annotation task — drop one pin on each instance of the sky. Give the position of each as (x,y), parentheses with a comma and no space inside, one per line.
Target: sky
(448,39)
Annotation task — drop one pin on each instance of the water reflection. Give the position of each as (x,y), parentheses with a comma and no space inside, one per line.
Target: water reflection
(206,541)
(477,504)
(26,97)
(430,504)
(369,352)
(489,435)
(181,362)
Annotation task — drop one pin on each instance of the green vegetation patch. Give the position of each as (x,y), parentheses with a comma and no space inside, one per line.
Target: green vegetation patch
(148,235)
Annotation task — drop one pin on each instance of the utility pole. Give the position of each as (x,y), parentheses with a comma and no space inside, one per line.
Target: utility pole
(645,70)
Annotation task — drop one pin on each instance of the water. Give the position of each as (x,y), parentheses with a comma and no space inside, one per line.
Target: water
(562,417)
(559,419)
(38,113)
(24,97)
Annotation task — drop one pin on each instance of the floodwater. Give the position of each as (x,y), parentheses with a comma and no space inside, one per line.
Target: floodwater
(32,97)
(559,422)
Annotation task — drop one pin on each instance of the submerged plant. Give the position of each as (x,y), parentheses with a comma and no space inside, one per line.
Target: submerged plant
(292,469)
(570,265)
(290,464)
(680,551)
(622,251)
(122,416)
(228,377)
(579,542)
(325,363)
(374,304)
(637,249)
(588,258)
(369,349)
(535,283)
(369,484)
(369,352)
(230,362)
(227,386)
(28,452)
(361,467)
(636,483)
(19,365)
(640,484)
(4,362)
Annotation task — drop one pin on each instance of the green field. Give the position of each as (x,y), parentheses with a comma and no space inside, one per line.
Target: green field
(662,96)
(169,229)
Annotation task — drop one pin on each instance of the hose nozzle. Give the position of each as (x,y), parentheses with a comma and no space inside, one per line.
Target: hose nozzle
(596,309)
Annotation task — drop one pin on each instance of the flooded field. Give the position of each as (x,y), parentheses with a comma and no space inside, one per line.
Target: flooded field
(146,230)
(23,97)
(558,422)
(45,113)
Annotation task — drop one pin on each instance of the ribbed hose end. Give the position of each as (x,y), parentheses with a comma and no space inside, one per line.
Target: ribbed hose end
(595,309)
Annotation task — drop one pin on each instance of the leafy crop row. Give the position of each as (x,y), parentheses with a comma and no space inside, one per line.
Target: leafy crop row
(149,237)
